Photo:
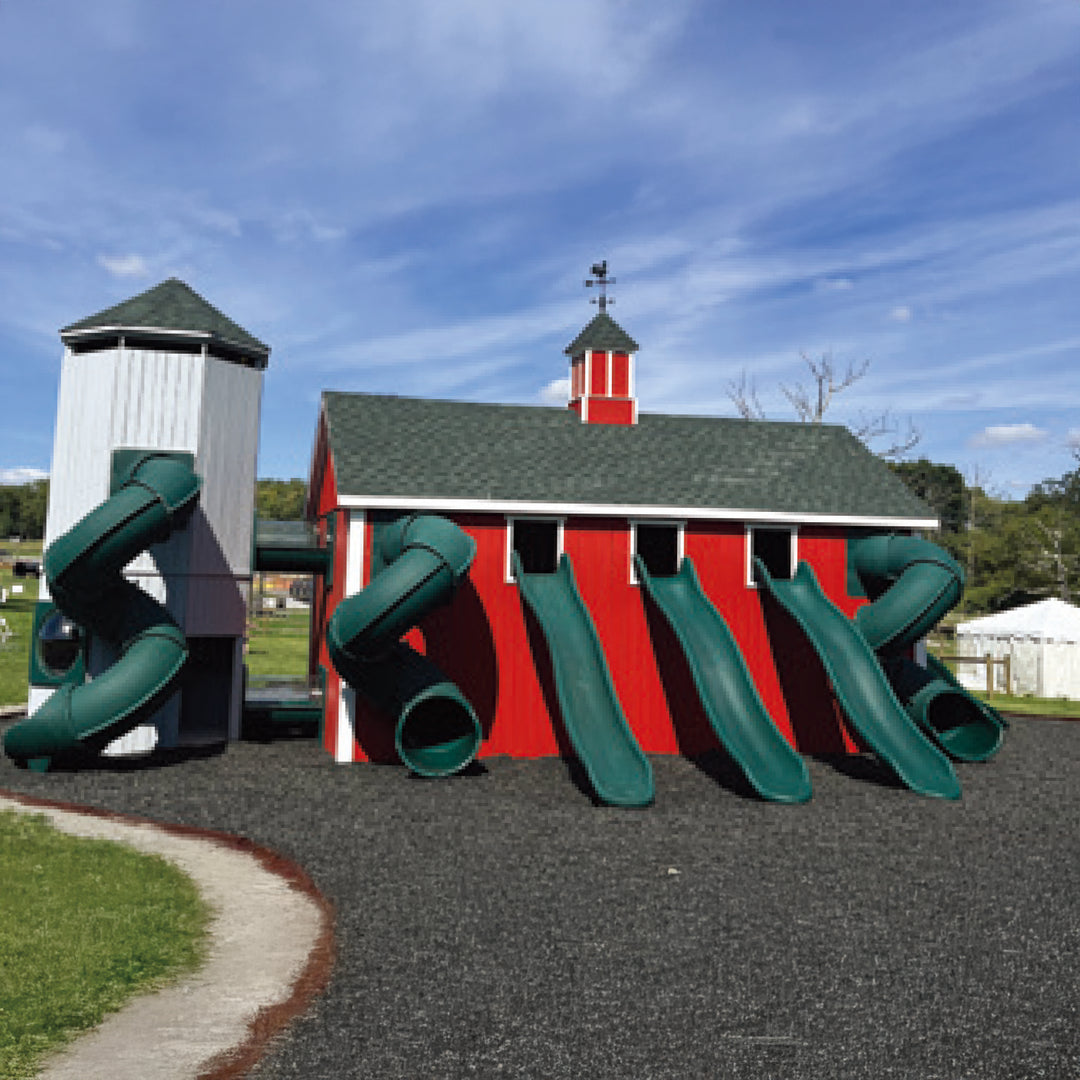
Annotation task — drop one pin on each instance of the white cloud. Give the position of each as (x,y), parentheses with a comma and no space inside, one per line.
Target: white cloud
(1009,435)
(124,266)
(23,475)
(900,313)
(836,284)
(557,392)
(1073,438)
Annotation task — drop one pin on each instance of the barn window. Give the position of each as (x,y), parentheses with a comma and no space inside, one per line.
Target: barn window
(660,546)
(538,542)
(775,548)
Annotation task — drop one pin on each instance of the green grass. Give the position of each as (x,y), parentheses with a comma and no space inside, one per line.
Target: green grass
(278,644)
(1032,706)
(84,925)
(19,613)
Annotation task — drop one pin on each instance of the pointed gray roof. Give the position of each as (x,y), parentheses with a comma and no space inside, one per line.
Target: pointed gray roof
(171,311)
(602,333)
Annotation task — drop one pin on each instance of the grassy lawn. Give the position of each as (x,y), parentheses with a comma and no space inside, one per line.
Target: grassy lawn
(278,644)
(19,614)
(1032,706)
(84,925)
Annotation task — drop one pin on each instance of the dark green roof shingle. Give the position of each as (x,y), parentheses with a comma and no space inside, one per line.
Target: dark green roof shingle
(602,333)
(171,306)
(412,448)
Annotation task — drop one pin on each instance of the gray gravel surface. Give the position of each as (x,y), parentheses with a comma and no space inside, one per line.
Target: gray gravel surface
(500,925)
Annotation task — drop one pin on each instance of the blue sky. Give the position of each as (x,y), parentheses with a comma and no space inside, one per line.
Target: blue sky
(404,197)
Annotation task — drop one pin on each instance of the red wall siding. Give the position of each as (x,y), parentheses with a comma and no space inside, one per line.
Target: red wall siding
(598,381)
(620,375)
(486,643)
(325,600)
(605,410)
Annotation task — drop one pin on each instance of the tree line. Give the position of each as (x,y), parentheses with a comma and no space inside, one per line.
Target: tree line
(1013,551)
(22,506)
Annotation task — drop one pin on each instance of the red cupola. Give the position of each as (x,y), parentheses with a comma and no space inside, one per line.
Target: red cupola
(602,365)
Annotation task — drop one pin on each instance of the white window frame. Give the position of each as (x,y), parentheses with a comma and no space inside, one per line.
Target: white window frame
(748,547)
(680,542)
(508,562)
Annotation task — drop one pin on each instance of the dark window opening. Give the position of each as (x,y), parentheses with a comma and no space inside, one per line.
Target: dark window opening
(59,644)
(658,546)
(773,548)
(537,545)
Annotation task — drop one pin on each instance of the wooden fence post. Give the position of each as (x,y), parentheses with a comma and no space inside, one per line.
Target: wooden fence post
(989,674)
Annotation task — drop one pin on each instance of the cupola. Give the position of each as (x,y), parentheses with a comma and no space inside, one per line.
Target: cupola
(602,365)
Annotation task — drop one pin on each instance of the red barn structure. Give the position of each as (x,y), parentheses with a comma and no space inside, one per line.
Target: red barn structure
(598,482)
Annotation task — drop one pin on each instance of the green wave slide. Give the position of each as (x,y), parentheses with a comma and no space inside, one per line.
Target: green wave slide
(619,772)
(426,557)
(83,569)
(860,685)
(727,692)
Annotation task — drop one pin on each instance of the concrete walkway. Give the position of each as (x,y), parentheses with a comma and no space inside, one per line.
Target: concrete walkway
(269,954)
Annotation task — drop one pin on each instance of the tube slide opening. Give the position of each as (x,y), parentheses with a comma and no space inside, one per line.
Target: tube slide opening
(438,735)
(962,728)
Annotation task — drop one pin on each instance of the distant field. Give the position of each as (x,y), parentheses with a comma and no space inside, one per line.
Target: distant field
(18,612)
(278,644)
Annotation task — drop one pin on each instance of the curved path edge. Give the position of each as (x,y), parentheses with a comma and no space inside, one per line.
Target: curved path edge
(270,954)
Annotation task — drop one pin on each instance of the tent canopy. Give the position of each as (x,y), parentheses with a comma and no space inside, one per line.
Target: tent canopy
(1045,620)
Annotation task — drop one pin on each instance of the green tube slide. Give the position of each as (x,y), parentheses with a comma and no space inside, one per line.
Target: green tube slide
(84,571)
(425,558)
(860,685)
(913,583)
(619,772)
(728,695)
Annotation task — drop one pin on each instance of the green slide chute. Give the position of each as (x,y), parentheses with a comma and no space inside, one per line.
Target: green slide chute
(912,583)
(860,685)
(619,772)
(731,701)
(84,572)
(425,558)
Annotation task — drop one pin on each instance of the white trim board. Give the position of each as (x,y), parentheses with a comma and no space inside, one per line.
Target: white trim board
(525,508)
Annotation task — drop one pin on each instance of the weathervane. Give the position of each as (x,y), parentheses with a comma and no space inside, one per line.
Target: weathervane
(599,272)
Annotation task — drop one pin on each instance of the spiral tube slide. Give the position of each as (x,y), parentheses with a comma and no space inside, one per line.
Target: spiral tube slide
(436,730)
(915,583)
(83,568)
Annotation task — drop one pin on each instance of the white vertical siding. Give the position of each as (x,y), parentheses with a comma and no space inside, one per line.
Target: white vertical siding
(354,579)
(221,533)
(159,400)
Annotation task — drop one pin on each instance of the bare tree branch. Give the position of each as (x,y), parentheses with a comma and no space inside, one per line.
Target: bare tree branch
(743,394)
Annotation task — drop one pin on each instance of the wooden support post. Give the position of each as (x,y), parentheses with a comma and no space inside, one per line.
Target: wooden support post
(989,674)
(1008,672)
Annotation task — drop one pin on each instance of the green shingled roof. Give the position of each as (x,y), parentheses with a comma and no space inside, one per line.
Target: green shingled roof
(602,333)
(175,308)
(410,448)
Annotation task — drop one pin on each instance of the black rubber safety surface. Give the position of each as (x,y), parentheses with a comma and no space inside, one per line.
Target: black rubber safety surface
(499,924)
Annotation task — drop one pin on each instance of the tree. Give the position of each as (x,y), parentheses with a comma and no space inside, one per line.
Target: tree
(22,509)
(812,402)
(280,500)
(941,486)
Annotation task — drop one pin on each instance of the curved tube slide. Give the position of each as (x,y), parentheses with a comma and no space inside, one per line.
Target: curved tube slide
(436,729)
(619,772)
(84,571)
(861,687)
(914,583)
(728,695)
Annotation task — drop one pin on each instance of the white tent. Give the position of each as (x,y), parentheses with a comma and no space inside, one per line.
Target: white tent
(1042,641)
